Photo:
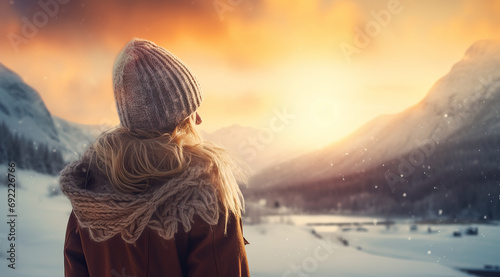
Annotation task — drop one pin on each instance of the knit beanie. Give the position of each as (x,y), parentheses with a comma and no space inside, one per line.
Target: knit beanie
(154,90)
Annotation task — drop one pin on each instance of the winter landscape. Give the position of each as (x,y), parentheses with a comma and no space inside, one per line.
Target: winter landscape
(423,200)
(371,128)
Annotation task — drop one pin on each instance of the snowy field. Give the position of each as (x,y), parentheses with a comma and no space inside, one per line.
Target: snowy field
(279,247)
(370,250)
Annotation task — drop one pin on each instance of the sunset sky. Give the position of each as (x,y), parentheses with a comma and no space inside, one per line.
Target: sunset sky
(252,57)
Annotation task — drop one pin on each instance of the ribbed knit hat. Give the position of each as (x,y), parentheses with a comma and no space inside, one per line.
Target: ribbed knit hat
(154,90)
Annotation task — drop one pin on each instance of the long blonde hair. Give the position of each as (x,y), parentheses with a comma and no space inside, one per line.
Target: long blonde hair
(132,158)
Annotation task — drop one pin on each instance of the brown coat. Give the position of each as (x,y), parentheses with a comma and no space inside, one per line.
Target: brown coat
(202,251)
(175,228)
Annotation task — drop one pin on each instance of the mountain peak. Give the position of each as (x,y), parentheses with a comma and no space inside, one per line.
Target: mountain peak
(483,48)
(469,79)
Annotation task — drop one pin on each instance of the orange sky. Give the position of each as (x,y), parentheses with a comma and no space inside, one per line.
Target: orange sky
(264,55)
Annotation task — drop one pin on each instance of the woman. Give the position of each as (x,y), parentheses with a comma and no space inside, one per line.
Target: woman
(149,197)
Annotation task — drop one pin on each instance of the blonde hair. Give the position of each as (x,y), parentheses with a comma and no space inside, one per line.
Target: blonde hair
(132,158)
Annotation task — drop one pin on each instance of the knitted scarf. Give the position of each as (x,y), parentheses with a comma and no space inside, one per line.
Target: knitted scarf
(161,207)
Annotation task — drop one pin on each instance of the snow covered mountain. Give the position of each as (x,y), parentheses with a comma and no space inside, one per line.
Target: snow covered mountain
(23,110)
(24,114)
(74,137)
(454,106)
(442,152)
(239,139)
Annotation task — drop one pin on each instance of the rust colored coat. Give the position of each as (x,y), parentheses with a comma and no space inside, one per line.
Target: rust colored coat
(203,251)
(172,229)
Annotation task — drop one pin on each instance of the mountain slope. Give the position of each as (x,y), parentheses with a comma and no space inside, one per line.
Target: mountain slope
(240,140)
(442,154)
(74,137)
(454,105)
(23,110)
(33,132)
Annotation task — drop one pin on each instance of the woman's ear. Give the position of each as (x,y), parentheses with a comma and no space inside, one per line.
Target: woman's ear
(198,119)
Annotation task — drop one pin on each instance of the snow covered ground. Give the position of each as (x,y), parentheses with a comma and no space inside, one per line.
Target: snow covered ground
(439,246)
(40,228)
(281,250)
(373,250)
(275,249)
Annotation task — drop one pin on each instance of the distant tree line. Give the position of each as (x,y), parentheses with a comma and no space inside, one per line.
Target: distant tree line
(28,154)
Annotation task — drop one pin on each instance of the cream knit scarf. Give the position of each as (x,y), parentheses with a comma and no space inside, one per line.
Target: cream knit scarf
(106,213)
